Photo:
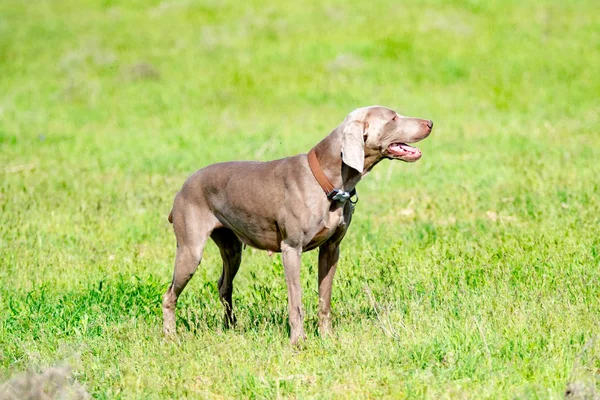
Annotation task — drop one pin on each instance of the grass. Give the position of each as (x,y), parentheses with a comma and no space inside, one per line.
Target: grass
(473,273)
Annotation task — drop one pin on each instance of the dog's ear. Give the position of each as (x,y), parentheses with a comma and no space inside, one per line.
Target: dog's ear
(353,145)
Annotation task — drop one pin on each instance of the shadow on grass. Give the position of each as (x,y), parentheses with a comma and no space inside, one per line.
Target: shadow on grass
(83,311)
(91,310)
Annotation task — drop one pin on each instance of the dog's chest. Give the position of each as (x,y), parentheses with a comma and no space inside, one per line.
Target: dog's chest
(332,223)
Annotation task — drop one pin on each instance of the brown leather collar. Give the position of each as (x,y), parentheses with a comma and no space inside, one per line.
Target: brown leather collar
(315,167)
(330,191)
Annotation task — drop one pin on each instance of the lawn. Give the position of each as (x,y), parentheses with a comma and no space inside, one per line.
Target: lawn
(473,273)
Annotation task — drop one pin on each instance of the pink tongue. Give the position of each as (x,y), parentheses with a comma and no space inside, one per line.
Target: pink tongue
(403,148)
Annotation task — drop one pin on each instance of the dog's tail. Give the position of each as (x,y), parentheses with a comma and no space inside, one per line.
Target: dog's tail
(171,217)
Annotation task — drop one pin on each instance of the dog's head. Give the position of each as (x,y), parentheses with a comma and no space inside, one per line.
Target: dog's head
(381,133)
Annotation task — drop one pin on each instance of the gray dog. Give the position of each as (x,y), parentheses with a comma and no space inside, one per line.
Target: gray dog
(290,206)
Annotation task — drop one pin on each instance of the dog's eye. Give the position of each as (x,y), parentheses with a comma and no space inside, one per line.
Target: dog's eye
(395,118)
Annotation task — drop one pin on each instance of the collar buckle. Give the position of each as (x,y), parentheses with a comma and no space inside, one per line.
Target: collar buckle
(338,195)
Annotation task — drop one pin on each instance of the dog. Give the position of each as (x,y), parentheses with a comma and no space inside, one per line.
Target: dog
(291,205)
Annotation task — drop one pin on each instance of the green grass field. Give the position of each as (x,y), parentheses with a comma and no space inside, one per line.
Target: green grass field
(473,273)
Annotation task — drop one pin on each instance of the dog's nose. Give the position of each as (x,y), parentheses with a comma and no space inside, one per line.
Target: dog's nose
(430,124)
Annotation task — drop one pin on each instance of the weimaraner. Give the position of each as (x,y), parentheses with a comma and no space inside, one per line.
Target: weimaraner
(290,205)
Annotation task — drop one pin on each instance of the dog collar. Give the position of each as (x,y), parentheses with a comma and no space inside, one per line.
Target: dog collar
(331,192)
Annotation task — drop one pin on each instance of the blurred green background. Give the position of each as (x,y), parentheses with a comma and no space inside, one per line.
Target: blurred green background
(470,274)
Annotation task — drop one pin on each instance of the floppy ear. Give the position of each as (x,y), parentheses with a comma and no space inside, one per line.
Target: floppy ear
(353,145)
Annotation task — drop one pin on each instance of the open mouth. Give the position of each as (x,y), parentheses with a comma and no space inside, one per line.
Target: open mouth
(404,152)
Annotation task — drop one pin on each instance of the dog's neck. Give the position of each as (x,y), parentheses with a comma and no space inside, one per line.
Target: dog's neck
(329,154)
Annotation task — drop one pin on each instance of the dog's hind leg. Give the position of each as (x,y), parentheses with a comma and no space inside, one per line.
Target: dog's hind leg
(193,226)
(231,253)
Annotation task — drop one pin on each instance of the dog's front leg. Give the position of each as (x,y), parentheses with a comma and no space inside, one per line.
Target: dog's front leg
(328,259)
(291,266)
